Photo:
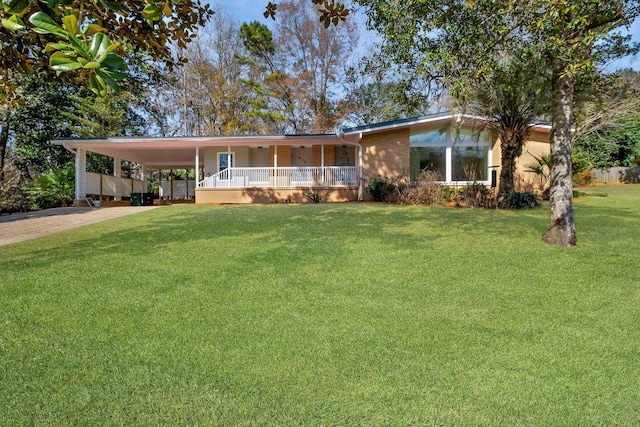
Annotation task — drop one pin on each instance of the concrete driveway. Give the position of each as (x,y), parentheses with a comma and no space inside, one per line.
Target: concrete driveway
(19,227)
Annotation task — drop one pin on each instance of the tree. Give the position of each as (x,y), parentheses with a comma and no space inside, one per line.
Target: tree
(311,54)
(34,122)
(461,41)
(511,97)
(206,93)
(375,92)
(608,120)
(291,70)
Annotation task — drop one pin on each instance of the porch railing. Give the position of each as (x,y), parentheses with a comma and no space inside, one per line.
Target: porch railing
(316,176)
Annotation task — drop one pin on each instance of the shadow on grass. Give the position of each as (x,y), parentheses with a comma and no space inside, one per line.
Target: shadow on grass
(302,233)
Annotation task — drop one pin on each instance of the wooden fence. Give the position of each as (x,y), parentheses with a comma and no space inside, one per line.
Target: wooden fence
(616,175)
(105,187)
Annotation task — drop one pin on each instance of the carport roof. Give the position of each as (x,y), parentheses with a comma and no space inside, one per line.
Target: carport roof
(179,152)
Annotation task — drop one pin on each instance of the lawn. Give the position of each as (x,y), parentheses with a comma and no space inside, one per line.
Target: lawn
(328,314)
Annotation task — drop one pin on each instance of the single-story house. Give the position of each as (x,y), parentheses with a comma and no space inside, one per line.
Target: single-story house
(268,168)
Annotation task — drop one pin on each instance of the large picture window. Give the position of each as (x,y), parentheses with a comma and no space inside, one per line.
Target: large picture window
(457,155)
(428,158)
(469,163)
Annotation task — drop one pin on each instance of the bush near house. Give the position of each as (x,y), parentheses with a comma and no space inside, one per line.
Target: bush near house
(520,200)
(380,189)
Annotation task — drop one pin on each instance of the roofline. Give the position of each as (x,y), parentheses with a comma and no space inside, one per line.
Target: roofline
(195,139)
(397,123)
(412,122)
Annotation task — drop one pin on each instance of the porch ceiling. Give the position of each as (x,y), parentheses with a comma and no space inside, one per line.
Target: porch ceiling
(179,152)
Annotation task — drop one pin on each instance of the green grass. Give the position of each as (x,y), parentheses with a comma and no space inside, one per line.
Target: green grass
(330,314)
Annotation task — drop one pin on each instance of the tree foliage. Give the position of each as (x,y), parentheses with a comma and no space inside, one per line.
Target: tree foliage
(86,36)
(608,120)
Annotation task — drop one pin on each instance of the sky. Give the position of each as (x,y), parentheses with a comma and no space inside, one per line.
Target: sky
(251,10)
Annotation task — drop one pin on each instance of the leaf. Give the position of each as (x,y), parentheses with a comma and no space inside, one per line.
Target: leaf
(97,86)
(61,63)
(45,25)
(14,23)
(166,10)
(99,46)
(79,45)
(118,8)
(16,7)
(91,65)
(114,62)
(152,12)
(106,77)
(92,29)
(70,23)
(56,46)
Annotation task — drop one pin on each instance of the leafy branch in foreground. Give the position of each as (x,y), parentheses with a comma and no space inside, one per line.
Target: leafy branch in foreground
(84,37)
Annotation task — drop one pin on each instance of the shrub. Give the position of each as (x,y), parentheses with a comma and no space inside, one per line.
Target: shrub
(381,189)
(313,197)
(425,191)
(476,196)
(583,179)
(54,188)
(520,200)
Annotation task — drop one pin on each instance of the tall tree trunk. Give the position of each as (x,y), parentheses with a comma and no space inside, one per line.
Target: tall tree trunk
(563,230)
(4,138)
(507,172)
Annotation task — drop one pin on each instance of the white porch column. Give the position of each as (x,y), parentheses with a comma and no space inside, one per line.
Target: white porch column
(197,167)
(117,172)
(275,165)
(448,162)
(81,174)
(489,157)
(361,173)
(322,163)
(143,175)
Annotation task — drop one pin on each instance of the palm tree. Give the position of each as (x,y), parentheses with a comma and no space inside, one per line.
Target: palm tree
(511,100)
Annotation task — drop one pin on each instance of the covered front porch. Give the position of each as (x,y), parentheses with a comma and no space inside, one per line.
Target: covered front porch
(241,169)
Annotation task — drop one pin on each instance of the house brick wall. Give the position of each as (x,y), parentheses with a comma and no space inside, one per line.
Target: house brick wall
(271,195)
(538,145)
(386,154)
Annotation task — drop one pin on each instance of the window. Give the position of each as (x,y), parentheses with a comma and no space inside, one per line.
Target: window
(456,154)
(469,163)
(432,159)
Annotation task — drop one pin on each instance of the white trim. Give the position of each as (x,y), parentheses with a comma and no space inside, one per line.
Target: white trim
(197,174)
(117,172)
(81,174)
(448,156)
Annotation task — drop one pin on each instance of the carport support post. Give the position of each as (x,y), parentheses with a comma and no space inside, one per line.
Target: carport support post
(143,176)
(197,168)
(81,175)
(117,172)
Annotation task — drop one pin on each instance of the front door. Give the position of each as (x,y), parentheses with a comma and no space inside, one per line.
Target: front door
(225,161)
